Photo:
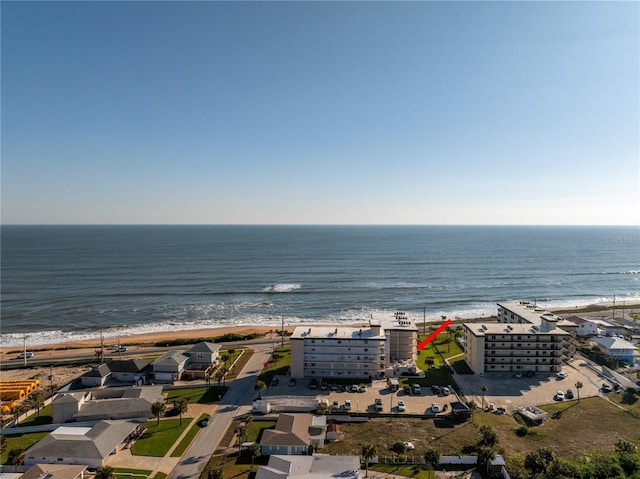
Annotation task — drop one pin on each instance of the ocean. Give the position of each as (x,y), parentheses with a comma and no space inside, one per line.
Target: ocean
(61,283)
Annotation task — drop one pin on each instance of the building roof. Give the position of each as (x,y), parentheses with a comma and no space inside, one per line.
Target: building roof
(171,358)
(481,329)
(204,347)
(128,366)
(327,332)
(318,466)
(69,397)
(134,402)
(531,313)
(81,442)
(291,430)
(614,343)
(54,471)
(99,372)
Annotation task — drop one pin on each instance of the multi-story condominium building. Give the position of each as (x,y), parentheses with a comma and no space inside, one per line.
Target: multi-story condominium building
(351,352)
(527,338)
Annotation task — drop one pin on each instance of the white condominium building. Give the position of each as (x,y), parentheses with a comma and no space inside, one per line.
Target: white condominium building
(527,338)
(352,352)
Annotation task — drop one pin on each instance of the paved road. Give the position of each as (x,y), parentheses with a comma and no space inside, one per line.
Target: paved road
(237,401)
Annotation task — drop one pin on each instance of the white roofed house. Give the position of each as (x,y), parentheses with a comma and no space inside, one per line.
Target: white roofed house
(617,348)
(318,466)
(90,446)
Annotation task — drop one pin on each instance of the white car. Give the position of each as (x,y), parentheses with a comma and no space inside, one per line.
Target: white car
(559,396)
(28,354)
(435,407)
(347,405)
(562,374)
(401,406)
(409,446)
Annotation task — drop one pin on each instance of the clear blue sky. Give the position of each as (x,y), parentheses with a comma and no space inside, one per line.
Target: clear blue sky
(321,113)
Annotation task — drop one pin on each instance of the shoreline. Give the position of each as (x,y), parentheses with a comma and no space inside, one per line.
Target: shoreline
(149,338)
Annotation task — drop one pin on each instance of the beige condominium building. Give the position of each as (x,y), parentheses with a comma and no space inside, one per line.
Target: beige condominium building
(526,338)
(386,347)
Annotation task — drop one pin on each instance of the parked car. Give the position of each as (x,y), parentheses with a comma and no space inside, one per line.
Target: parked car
(275,380)
(435,407)
(445,391)
(415,388)
(205,421)
(407,390)
(323,385)
(409,446)
(569,394)
(313,384)
(362,388)
(347,405)
(28,354)
(559,396)
(335,406)
(435,389)
(292,382)
(562,374)
(401,406)
(378,404)
(606,388)
(333,387)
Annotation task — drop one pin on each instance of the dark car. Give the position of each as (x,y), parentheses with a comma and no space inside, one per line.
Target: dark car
(407,389)
(606,388)
(569,394)
(314,383)
(435,389)
(292,382)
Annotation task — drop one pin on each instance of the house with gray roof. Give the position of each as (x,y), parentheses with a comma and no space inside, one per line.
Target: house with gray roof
(617,348)
(55,471)
(96,377)
(194,362)
(89,446)
(318,466)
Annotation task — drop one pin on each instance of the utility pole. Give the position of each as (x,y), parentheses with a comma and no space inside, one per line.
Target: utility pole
(24,350)
(424,321)
(101,346)
(282,333)
(614,307)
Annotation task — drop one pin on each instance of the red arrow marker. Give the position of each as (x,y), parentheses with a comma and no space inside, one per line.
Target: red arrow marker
(433,335)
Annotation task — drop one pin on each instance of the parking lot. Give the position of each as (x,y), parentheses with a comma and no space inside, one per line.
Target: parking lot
(510,392)
(365,401)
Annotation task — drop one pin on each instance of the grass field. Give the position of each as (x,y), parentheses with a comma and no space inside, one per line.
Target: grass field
(407,471)
(280,366)
(23,441)
(197,395)
(45,417)
(158,438)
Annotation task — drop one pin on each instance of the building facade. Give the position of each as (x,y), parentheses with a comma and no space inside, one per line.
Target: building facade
(351,352)
(527,338)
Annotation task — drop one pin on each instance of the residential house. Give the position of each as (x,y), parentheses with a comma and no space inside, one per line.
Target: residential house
(96,377)
(89,446)
(318,466)
(55,471)
(294,434)
(109,403)
(130,371)
(617,348)
(194,362)
(584,327)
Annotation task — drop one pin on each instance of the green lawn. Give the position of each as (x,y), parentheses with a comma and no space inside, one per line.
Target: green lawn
(240,364)
(188,437)
(197,395)
(280,366)
(158,438)
(46,417)
(24,441)
(401,470)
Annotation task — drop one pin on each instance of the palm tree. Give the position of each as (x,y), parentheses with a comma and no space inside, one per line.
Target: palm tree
(254,452)
(36,399)
(429,362)
(15,457)
(484,390)
(157,409)
(219,375)
(368,451)
(260,386)
(182,405)
(216,473)
(105,472)
(578,388)
(432,457)
(17,411)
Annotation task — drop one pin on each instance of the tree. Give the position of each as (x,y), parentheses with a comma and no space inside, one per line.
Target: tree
(182,405)
(429,362)
(368,451)
(579,386)
(219,375)
(241,431)
(4,443)
(157,409)
(260,386)
(399,447)
(538,461)
(215,473)
(15,457)
(484,390)
(105,472)
(254,452)
(432,457)
(35,398)
(489,437)
(17,411)
(485,454)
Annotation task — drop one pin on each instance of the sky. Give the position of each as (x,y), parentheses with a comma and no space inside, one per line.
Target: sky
(320,113)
